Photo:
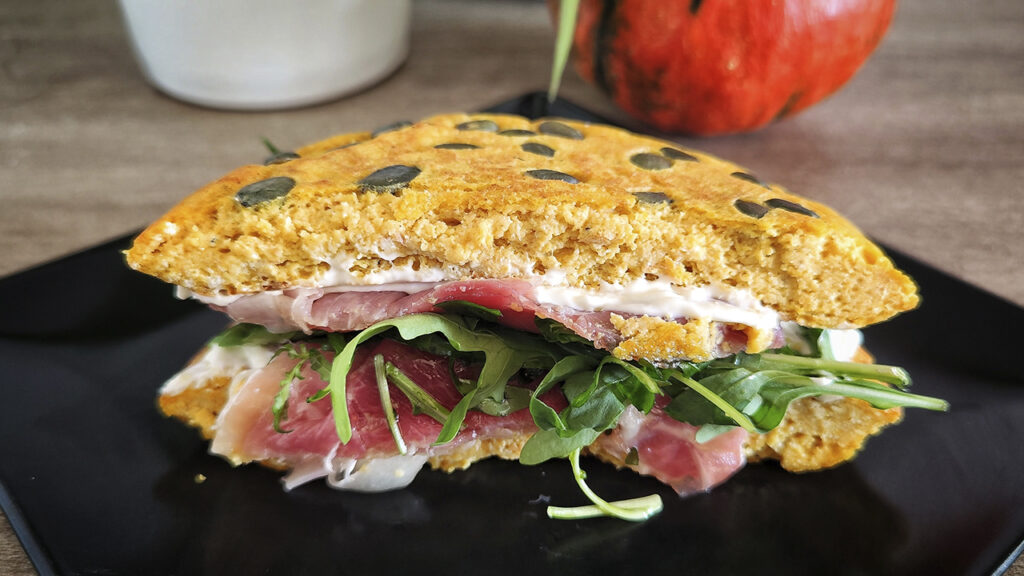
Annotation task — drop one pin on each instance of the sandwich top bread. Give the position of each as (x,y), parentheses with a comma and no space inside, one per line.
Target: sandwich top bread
(460,197)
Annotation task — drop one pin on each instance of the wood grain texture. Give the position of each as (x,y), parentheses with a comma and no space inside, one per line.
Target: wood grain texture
(923,149)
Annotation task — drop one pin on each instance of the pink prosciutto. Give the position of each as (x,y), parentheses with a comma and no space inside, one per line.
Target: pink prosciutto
(245,431)
(668,449)
(316,309)
(245,427)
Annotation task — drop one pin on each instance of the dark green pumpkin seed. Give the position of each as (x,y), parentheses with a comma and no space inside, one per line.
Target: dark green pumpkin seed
(551,175)
(652,197)
(552,128)
(390,179)
(391,128)
(752,209)
(280,158)
(788,206)
(538,149)
(749,178)
(678,155)
(649,161)
(517,132)
(456,146)
(264,191)
(481,125)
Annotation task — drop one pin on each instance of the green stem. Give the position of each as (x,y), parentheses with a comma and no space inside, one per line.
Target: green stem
(889,374)
(739,417)
(887,397)
(652,502)
(385,401)
(270,146)
(420,398)
(563,44)
(634,510)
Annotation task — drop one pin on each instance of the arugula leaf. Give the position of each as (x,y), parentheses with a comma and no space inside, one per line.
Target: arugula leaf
(758,400)
(454,422)
(599,414)
(280,406)
(639,390)
(547,444)
(688,406)
(598,395)
(306,355)
(518,398)
(543,415)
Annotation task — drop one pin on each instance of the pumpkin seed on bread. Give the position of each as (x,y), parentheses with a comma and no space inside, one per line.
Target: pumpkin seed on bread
(589,211)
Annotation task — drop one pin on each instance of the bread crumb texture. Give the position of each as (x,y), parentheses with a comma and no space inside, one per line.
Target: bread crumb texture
(495,196)
(819,433)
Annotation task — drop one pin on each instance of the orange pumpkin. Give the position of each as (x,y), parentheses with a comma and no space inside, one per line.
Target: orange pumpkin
(719,66)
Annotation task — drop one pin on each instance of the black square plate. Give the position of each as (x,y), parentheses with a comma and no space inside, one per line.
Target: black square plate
(95,481)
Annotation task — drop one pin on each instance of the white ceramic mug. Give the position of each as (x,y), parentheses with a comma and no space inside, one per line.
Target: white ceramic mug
(266,54)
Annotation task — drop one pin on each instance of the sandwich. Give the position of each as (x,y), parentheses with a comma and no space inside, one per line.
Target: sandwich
(475,286)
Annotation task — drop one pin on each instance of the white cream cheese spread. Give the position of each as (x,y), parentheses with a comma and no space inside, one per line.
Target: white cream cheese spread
(657,298)
(234,362)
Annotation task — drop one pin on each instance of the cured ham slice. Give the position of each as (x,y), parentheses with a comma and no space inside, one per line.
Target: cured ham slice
(668,450)
(310,309)
(244,430)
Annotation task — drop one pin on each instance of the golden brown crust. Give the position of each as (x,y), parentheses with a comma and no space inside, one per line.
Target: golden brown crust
(476,213)
(655,339)
(465,454)
(198,406)
(820,433)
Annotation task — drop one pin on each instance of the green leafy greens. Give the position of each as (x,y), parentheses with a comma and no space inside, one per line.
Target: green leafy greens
(306,355)
(752,391)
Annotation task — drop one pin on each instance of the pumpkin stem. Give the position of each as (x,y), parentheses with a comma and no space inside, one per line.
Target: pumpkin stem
(563,44)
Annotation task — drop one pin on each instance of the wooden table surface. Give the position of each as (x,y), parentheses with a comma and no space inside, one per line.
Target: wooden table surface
(924,149)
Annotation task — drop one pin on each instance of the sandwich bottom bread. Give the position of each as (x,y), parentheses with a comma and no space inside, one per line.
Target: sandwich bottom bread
(468,286)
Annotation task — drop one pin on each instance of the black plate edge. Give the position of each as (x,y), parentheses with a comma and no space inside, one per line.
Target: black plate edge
(98,246)
(34,549)
(1010,559)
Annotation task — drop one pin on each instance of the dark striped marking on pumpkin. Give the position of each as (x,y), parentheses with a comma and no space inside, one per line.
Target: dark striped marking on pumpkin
(605,34)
